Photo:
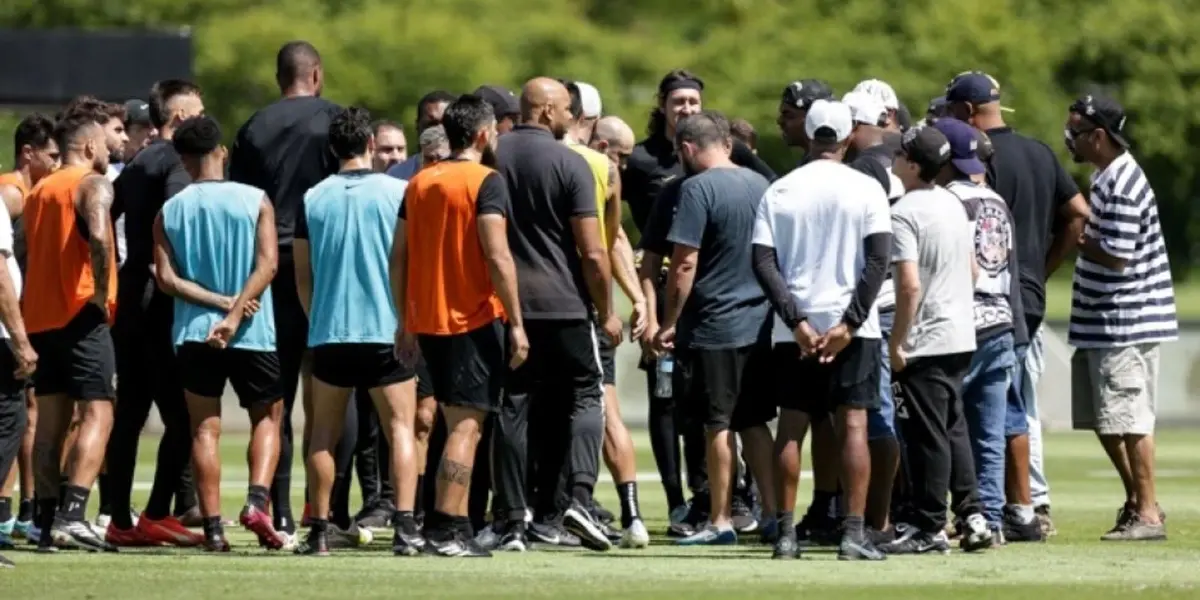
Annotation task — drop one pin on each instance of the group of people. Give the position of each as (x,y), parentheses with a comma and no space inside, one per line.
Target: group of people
(450,312)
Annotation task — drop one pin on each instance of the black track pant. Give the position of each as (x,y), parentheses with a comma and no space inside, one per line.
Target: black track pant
(928,404)
(291,326)
(147,373)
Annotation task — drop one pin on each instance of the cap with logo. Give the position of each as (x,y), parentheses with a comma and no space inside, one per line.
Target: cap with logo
(137,112)
(974,87)
(926,146)
(881,91)
(828,121)
(804,92)
(589,96)
(964,145)
(1106,113)
(865,109)
(504,102)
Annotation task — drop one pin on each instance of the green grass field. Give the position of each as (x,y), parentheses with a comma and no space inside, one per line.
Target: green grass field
(1072,565)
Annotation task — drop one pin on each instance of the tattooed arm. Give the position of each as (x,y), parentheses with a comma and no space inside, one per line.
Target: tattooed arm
(93,202)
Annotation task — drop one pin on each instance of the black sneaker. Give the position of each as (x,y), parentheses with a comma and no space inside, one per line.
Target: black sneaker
(975,536)
(406,540)
(551,533)
(579,521)
(316,544)
(1042,513)
(215,541)
(786,548)
(860,549)
(376,517)
(455,544)
(696,517)
(609,532)
(77,534)
(513,538)
(812,532)
(743,515)
(921,542)
(601,514)
(879,538)
(1016,531)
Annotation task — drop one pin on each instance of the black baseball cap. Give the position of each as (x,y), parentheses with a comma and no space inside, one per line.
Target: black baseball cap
(504,102)
(926,146)
(804,92)
(974,87)
(137,112)
(1105,112)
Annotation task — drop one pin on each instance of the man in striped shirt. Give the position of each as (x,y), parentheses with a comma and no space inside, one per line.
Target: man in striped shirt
(1122,308)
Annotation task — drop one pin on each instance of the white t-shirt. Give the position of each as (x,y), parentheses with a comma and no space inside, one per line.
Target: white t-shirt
(930,228)
(6,251)
(118,227)
(816,218)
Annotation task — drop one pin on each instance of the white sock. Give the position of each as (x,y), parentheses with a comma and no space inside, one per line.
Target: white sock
(1025,513)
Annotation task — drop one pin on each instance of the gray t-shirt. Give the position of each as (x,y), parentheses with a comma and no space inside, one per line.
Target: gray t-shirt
(727,307)
(930,228)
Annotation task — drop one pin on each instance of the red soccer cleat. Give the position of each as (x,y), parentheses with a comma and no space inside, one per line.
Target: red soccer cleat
(260,523)
(168,532)
(126,538)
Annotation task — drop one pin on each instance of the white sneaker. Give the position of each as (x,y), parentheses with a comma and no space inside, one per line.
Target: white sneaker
(977,535)
(635,536)
(290,541)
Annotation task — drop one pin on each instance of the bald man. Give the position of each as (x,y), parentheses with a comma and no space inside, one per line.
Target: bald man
(562,263)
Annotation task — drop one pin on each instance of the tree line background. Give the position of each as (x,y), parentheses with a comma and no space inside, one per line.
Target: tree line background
(385,54)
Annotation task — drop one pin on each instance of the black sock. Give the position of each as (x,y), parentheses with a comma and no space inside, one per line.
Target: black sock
(629,503)
(319,525)
(404,521)
(582,493)
(213,527)
(786,526)
(46,509)
(418,500)
(257,497)
(26,511)
(854,527)
(5,509)
(836,512)
(463,525)
(820,508)
(74,504)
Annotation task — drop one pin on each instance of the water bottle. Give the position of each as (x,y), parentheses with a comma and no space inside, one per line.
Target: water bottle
(663,385)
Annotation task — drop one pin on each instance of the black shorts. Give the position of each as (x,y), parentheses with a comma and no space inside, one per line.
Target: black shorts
(468,369)
(725,388)
(806,385)
(359,365)
(608,359)
(253,374)
(424,380)
(77,360)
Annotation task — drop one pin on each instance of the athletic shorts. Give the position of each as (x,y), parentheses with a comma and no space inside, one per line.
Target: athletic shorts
(359,365)
(724,388)
(608,359)
(806,385)
(1114,391)
(77,360)
(424,380)
(468,369)
(254,374)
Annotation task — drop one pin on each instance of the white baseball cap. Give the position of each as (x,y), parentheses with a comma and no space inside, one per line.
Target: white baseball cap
(827,116)
(864,108)
(881,91)
(589,96)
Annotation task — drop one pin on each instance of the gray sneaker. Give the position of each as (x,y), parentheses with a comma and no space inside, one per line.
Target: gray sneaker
(1135,530)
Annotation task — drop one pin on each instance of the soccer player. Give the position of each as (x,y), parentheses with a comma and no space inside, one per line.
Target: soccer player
(215,252)
(36,154)
(147,368)
(343,242)
(283,149)
(70,297)
(454,282)
(722,317)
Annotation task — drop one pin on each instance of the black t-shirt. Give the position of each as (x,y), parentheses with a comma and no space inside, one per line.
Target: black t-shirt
(154,175)
(1027,174)
(284,150)
(874,161)
(654,164)
(548,185)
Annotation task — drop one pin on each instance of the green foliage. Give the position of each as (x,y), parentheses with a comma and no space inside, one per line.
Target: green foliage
(385,54)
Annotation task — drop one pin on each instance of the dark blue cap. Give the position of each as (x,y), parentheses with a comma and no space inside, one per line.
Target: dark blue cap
(964,145)
(974,87)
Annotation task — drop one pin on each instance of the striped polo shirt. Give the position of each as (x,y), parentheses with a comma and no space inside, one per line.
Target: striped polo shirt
(1135,305)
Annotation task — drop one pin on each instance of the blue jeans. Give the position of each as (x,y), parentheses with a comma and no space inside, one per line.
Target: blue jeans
(985,393)
(1015,420)
(881,422)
